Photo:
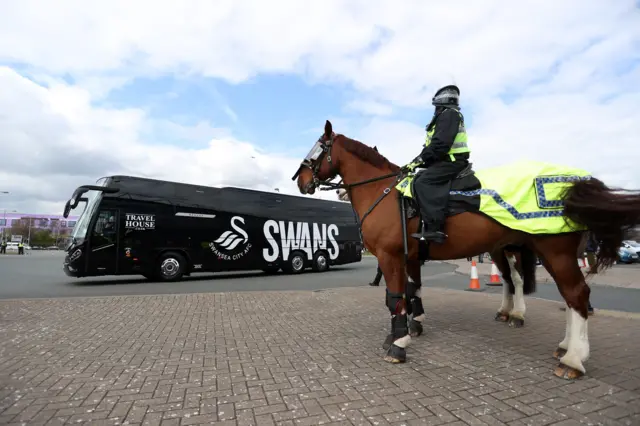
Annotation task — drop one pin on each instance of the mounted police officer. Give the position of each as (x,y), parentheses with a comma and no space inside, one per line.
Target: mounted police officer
(444,156)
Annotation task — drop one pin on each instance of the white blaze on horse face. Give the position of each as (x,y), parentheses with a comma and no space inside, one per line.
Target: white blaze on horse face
(578,351)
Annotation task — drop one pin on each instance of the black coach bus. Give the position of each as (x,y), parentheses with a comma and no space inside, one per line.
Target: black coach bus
(165,230)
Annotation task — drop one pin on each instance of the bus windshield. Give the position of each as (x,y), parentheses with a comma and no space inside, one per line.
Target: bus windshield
(90,199)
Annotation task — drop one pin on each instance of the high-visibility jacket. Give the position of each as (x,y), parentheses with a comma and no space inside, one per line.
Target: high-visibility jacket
(459,145)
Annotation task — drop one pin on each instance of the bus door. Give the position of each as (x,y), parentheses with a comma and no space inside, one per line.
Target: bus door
(103,243)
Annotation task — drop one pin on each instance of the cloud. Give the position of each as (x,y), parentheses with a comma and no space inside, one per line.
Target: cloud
(556,82)
(58,141)
(370,107)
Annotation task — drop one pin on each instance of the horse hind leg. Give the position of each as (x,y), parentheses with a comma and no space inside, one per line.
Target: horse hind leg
(564,344)
(575,292)
(516,315)
(506,307)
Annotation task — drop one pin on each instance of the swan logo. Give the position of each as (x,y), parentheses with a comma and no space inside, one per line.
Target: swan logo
(234,244)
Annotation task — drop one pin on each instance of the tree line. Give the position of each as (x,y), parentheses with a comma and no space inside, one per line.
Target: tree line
(40,236)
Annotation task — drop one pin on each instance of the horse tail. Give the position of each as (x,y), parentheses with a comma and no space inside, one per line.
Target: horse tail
(528,266)
(608,213)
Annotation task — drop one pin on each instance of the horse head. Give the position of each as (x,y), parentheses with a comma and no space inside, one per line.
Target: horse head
(334,155)
(318,165)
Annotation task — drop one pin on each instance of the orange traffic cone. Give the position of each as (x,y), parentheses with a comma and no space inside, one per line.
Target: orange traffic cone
(474,284)
(494,280)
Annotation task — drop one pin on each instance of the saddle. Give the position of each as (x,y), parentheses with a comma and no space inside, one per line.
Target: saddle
(464,181)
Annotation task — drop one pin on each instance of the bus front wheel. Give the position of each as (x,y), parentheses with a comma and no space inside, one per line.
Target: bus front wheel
(295,264)
(170,266)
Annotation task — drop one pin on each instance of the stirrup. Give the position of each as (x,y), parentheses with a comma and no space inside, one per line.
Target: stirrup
(437,237)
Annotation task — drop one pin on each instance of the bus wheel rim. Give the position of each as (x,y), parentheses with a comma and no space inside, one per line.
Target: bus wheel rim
(169,267)
(322,262)
(297,263)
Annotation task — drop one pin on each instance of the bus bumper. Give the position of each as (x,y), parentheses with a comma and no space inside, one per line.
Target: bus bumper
(68,269)
(71,263)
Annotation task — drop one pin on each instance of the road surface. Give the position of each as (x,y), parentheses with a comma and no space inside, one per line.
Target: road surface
(40,275)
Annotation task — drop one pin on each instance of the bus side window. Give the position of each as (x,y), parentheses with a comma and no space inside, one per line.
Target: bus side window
(105,228)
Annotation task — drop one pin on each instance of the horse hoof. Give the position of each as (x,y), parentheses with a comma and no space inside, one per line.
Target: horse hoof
(501,317)
(415,328)
(396,355)
(516,322)
(567,373)
(559,353)
(387,342)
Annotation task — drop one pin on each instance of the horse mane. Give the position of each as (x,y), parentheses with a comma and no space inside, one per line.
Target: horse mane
(367,154)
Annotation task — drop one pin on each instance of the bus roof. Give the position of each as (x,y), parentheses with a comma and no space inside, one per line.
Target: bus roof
(230,199)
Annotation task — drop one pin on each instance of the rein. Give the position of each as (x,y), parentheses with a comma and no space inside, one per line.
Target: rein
(324,185)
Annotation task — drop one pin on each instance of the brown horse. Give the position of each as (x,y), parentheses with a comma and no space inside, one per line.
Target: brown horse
(369,178)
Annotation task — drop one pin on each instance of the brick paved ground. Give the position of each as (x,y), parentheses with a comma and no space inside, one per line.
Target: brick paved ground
(301,358)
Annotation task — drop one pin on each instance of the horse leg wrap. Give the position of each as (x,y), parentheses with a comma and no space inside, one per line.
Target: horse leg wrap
(413,294)
(399,327)
(415,302)
(399,338)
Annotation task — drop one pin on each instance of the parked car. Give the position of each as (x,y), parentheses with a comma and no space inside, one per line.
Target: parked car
(627,255)
(632,245)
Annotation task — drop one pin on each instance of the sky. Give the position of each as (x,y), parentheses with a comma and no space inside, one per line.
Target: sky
(235,93)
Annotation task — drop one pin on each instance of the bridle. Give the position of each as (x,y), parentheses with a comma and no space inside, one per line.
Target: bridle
(314,165)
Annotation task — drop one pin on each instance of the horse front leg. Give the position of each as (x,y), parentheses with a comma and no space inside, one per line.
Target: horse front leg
(499,257)
(399,339)
(414,298)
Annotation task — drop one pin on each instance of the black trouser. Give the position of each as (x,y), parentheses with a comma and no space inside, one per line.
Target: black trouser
(376,280)
(432,187)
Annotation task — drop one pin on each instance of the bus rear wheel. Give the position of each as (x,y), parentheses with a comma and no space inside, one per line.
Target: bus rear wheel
(170,266)
(320,262)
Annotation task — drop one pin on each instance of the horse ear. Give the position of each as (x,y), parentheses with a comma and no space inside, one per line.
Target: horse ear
(328,130)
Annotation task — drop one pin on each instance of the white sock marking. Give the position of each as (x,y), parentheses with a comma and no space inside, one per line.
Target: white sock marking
(519,307)
(578,351)
(567,331)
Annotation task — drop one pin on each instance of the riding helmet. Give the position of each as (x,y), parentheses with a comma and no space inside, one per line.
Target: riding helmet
(447,96)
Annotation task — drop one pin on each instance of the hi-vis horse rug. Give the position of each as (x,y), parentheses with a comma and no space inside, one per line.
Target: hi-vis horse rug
(524,196)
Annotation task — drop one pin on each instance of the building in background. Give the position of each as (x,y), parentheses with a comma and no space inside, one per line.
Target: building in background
(43,229)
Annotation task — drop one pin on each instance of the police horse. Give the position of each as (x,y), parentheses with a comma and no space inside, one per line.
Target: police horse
(542,208)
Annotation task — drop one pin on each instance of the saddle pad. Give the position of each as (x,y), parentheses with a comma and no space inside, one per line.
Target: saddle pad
(527,196)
